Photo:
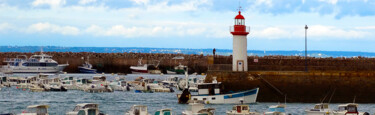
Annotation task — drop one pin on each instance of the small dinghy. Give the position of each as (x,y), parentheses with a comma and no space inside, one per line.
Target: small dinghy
(36,110)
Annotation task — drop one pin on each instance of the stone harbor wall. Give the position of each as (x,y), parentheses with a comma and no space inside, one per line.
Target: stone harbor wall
(312,86)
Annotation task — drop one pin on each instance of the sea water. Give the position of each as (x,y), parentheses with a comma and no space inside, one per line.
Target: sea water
(14,100)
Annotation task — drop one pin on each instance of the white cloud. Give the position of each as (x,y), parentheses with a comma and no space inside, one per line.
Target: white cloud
(316,32)
(51,28)
(5,27)
(329,1)
(365,28)
(51,3)
(83,2)
(141,1)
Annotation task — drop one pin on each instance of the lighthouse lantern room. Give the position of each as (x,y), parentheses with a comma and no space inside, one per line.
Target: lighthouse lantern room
(239,32)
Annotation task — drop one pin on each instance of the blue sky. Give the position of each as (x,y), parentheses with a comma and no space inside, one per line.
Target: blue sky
(334,25)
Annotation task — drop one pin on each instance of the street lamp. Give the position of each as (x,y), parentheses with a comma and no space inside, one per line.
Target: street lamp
(306,47)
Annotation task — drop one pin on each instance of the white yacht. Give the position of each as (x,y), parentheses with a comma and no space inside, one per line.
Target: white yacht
(138,110)
(35,64)
(196,108)
(320,109)
(276,110)
(36,110)
(241,110)
(85,109)
(348,109)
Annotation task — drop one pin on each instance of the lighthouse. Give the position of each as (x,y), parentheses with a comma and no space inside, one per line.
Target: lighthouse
(239,32)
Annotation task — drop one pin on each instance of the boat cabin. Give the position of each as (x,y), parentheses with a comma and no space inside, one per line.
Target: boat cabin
(349,108)
(164,112)
(209,88)
(138,110)
(36,109)
(321,106)
(241,108)
(85,109)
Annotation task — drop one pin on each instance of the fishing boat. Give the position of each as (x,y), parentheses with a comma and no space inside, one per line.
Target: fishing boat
(241,110)
(197,108)
(180,69)
(36,110)
(35,64)
(320,109)
(164,112)
(86,109)
(138,110)
(86,67)
(348,109)
(276,110)
(210,93)
(145,68)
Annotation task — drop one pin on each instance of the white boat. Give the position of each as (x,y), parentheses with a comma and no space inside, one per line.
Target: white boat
(320,109)
(196,108)
(85,109)
(276,110)
(35,64)
(145,68)
(241,110)
(348,109)
(138,110)
(36,110)
(164,112)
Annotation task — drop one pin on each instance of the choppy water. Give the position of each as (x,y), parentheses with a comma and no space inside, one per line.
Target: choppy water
(117,103)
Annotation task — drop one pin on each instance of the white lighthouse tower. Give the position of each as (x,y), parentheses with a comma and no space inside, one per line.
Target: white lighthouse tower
(239,32)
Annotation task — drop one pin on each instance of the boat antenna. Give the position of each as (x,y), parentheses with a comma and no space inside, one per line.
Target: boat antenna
(324,97)
(285,100)
(41,50)
(329,101)
(354,98)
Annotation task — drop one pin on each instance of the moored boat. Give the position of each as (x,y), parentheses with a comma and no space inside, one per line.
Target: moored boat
(320,109)
(164,112)
(348,109)
(196,108)
(210,93)
(86,67)
(276,110)
(138,110)
(85,109)
(36,110)
(35,64)
(241,110)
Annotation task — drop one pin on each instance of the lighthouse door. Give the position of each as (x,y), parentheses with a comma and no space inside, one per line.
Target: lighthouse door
(240,65)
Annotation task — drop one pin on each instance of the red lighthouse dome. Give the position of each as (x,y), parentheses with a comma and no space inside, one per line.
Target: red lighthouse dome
(239,27)
(239,16)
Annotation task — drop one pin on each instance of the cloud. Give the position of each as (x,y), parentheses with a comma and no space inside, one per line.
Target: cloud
(315,32)
(4,27)
(51,3)
(83,2)
(140,1)
(51,28)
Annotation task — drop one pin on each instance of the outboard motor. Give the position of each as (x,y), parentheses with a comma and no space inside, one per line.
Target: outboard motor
(171,90)
(127,88)
(184,97)
(366,113)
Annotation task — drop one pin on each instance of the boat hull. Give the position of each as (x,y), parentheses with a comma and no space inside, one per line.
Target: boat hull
(86,70)
(248,96)
(36,69)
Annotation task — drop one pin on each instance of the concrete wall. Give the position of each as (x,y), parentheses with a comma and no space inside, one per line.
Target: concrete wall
(310,86)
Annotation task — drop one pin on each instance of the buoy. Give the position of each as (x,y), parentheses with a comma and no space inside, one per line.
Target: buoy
(207,102)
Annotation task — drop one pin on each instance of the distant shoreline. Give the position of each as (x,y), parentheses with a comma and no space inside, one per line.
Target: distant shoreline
(206,51)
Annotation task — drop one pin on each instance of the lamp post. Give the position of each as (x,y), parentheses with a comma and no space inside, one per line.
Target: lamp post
(306,47)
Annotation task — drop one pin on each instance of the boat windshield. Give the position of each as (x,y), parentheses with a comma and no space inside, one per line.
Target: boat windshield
(77,108)
(352,109)
(38,111)
(278,109)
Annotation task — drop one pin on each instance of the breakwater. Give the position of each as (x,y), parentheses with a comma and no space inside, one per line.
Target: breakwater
(120,62)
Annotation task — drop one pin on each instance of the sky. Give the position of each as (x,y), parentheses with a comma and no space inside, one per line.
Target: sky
(334,25)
